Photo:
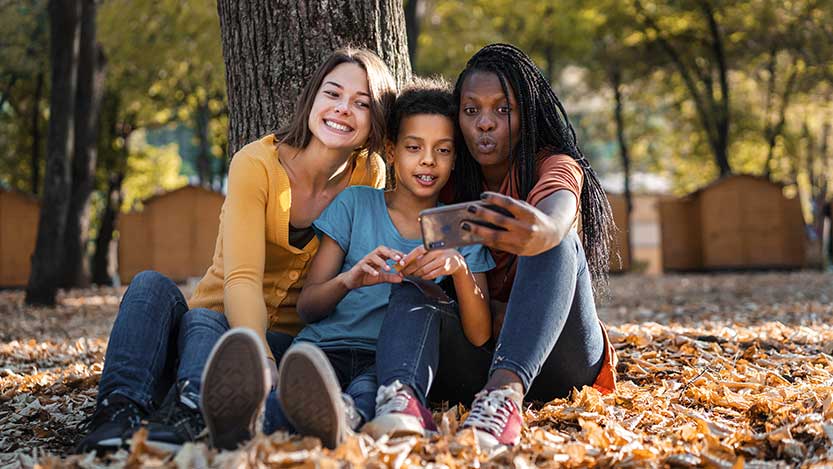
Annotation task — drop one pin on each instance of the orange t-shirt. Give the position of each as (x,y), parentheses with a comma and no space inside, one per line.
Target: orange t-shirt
(555,173)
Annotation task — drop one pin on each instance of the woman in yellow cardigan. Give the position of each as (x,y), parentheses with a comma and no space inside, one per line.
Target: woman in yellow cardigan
(277,186)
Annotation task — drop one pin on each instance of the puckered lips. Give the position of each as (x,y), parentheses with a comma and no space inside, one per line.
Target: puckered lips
(485,144)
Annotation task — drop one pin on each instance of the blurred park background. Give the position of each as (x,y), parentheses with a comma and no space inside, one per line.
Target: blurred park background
(710,122)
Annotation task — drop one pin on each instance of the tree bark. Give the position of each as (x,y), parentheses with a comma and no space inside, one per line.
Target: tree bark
(36,143)
(64,19)
(412,26)
(616,82)
(102,272)
(271,47)
(201,123)
(87,110)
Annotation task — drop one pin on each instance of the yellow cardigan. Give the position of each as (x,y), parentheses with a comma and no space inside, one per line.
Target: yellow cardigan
(254,267)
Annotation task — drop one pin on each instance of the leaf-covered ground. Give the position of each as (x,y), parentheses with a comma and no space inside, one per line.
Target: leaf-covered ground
(715,371)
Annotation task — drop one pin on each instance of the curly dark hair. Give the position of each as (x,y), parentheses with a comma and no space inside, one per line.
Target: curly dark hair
(421,96)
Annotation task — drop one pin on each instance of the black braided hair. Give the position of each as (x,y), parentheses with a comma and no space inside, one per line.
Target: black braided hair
(545,130)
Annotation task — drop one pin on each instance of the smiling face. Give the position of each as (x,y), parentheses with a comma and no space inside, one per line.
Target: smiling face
(485,123)
(340,115)
(424,154)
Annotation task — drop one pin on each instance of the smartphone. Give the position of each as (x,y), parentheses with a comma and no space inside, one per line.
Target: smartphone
(441,225)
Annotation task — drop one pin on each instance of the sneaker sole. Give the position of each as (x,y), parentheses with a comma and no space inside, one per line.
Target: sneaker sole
(234,387)
(172,448)
(394,426)
(310,394)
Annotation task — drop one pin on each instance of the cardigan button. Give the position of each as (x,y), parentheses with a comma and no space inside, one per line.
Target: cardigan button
(294,275)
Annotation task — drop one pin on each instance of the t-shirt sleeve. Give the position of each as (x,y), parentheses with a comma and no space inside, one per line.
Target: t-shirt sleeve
(555,173)
(477,258)
(336,221)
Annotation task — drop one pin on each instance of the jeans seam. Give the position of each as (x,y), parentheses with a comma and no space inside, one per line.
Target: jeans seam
(425,328)
(148,387)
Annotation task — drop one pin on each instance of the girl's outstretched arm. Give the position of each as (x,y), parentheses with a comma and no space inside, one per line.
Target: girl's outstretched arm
(325,286)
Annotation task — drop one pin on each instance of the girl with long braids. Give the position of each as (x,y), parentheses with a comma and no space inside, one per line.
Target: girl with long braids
(518,151)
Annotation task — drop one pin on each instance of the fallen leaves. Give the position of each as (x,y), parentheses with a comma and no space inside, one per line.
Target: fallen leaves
(722,371)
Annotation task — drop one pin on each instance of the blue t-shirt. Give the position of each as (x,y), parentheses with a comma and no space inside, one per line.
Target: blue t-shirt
(358,221)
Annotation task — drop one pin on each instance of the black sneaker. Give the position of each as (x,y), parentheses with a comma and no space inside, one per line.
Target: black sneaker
(178,421)
(311,396)
(111,425)
(235,383)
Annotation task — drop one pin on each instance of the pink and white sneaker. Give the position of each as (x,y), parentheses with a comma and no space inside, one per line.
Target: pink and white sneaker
(496,418)
(399,413)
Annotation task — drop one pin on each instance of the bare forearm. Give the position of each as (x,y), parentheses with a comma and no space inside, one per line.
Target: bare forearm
(318,300)
(474,307)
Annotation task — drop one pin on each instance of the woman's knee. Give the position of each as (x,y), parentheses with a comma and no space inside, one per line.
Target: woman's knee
(150,281)
(152,298)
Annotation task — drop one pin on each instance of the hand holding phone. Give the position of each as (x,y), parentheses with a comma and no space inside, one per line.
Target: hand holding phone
(441,225)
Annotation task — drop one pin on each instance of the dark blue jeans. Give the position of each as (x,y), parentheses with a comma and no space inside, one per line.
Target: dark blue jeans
(356,374)
(156,341)
(551,336)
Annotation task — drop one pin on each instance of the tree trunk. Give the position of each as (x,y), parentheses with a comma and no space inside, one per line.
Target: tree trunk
(102,271)
(36,143)
(64,20)
(271,47)
(201,122)
(616,81)
(87,111)
(412,26)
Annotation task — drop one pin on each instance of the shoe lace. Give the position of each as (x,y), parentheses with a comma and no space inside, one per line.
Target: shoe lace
(109,412)
(180,411)
(490,411)
(391,398)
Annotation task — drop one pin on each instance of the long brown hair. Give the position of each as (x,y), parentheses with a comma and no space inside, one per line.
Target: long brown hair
(381,86)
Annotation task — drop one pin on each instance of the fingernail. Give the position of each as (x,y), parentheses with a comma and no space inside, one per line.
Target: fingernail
(465,227)
(472,209)
(484,196)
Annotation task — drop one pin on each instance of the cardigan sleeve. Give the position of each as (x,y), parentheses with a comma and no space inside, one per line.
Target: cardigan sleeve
(244,243)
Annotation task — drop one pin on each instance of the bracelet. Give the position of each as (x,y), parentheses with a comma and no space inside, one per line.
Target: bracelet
(271,358)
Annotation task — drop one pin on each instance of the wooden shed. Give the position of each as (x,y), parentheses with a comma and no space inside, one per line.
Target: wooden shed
(175,234)
(646,252)
(737,222)
(19,214)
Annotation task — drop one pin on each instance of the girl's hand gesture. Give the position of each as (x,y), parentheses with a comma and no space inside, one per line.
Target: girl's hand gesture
(429,265)
(373,269)
(531,231)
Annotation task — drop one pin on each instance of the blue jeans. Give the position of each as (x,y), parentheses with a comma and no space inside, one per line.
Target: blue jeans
(156,341)
(551,336)
(356,375)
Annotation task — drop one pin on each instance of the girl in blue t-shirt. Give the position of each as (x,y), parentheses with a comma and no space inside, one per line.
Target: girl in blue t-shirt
(370,243)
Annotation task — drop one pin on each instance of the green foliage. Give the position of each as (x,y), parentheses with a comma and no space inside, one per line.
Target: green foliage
(150,170)
(23,66)
(580,44)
